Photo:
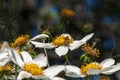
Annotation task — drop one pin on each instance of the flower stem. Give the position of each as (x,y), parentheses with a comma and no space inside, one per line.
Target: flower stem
(112,50)
(15,72)
(5,77)
(67,60)
(116,56)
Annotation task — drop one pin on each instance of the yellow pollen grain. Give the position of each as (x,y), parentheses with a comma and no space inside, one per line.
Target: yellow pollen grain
(84,69)
(62,40)
(20,40)
(34,69)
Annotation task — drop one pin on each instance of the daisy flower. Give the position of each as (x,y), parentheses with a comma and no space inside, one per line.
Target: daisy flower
(5,54)
(35,67)
(106,67)
(63,43)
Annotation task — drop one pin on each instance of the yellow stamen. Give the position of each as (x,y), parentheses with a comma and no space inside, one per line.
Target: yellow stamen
(84,69)
(62,40)
(104,78)
(5,68)
(67,13)
(94,52)
(34,69)
(20,40)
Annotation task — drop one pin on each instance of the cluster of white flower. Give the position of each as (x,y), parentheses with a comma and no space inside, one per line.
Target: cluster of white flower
(25,66)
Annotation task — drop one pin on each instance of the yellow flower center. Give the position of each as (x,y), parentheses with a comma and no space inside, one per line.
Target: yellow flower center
(84,69)
(20,40)
(34,69)
(67,13)
(5,68)
(62,40)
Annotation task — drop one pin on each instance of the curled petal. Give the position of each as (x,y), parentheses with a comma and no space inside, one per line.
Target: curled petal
(40,36)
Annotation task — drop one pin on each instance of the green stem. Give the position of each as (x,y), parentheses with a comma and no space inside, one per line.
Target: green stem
(112,50)
(5,77)
(15,72)
(116,56)
(67,60)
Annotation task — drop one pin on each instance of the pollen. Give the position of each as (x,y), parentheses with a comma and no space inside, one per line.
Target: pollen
(5,68)
(104,78)
(62,40)
(20,40)
(85,68)
(67,13)
(34,69)
(94,52)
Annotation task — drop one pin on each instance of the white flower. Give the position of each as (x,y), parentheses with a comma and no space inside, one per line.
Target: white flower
(34,67)
(63,43)
(5,54)
(106,67)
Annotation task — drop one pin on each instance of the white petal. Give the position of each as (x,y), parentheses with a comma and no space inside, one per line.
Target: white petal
(43,45)
(26,56)
(86,38)
(40,36)
(66,35)
(57,78)
(41,77)
(73,71)
(23,74)
(93,71)
(107,63)
(114,69)
(4,58)
(41,60)
(76,44)
(17,58)
(5,46)
(62,50)
(53,70)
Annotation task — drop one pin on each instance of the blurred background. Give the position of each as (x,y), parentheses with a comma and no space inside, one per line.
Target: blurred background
(76,17)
